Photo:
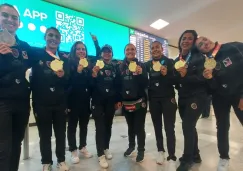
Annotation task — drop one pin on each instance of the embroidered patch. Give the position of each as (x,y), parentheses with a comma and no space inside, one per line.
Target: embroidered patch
(144,105)
(227,62)
(40,62)
(173,101)
(108,72)
(25,55)
(15,52)
(194,106)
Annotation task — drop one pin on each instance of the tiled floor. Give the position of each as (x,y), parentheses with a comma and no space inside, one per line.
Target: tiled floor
(207,143)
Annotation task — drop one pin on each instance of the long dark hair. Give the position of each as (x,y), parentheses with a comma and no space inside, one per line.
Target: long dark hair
(72,54)
(195,35)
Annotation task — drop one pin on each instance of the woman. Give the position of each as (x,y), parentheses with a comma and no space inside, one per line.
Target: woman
(79,101)
(133,82)
(192,91)
(226,85)
(162,101)
(14,90)
(49,81)
(104,98)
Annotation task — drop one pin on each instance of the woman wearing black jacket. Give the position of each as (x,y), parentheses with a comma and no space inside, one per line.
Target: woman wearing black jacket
(226,83)
(79,100)
(133,82)
(49,82)
(192,91)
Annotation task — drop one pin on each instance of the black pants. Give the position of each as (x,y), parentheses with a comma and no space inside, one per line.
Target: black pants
(222,107)
(136,127)
(45,118)
(167,107)
(103,113)
(190,110)
(79,113)
(206,111)
(14,118)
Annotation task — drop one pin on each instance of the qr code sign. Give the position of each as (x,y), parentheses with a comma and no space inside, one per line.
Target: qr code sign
(71,27)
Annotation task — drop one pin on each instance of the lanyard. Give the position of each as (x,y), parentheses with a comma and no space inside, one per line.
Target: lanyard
(215,51)
(187,57)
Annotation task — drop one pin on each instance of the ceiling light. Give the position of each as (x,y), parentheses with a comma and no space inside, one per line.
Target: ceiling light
(159,24)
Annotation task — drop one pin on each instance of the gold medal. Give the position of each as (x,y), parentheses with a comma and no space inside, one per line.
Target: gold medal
(132,66)
(6,37)
(156,66)
(180,64)
(83,62)
(56,65)
(100,64)
(210,63)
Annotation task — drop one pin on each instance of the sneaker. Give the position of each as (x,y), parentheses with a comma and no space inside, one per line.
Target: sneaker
(184,166)
(108,154)
(160,158)
(74,157)
(171,166)
(196,158)
(140,157)
(47,167)
(62,166)
(223,165)
(85,153)
(103,163)
(129,152)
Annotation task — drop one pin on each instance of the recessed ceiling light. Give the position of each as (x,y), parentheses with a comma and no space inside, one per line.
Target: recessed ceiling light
(159,24)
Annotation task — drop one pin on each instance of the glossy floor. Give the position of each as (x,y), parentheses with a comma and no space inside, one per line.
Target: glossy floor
(207,144)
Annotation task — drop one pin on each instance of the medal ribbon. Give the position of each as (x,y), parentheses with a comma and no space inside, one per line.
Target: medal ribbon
(215,51)
(187,57)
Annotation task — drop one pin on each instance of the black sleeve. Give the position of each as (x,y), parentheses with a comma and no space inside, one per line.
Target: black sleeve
(97,48)
(142,79)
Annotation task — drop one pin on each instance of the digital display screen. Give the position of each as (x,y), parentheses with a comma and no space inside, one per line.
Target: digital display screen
(143,41)
(74,26)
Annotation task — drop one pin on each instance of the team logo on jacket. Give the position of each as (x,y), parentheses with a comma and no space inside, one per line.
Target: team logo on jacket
(15,52)
(227,62)
(127,72)
(108,72)
(40,62)
(127,92)
(157,84)
(194,106)
(25,55)
(17,81)
(48,63)
(144,105)
(52,89)
(107,90)
(173,101)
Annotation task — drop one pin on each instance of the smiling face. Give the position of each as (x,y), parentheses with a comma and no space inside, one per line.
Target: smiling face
(156,50)
(9,19)
(53,39)
(80,51)
(130,52)
(204,44)
(187,42)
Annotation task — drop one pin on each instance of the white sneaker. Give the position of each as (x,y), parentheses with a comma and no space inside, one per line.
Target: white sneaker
(171,166)
(74,157)
(103,163)
(223,165)
(160,158)
(62,166)
(108,154)
(85,153)
(47,167)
